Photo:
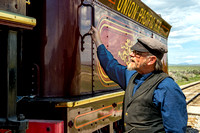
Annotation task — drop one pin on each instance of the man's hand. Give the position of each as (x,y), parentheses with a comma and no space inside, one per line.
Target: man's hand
(95,36)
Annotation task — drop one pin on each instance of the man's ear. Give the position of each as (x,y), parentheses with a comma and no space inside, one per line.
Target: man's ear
(151,60)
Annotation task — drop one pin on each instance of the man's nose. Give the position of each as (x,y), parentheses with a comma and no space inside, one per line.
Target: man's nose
(131,54)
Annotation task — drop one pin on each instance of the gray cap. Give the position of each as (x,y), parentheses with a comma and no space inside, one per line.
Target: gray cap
(151,45)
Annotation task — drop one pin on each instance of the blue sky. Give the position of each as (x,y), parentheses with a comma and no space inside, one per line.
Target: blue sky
(184,38)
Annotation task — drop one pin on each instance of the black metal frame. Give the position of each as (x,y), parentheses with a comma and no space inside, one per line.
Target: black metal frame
(8,81)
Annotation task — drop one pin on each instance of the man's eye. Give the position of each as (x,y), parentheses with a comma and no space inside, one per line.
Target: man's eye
(138,53)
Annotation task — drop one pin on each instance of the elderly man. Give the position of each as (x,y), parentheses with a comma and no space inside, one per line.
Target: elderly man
(153,101)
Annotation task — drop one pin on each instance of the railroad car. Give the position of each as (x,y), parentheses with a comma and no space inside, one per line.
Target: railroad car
(50,76)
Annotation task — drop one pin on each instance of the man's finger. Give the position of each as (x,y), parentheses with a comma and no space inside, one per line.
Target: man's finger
(91,31)
(94,29)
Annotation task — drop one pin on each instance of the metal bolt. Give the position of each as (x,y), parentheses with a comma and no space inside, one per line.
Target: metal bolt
(70,124)
(20,117)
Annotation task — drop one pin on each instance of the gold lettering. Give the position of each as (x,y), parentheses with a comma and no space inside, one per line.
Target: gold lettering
(147,19)
(123,11)
(155,26)
(159,26)
(131,9)
(140,14)
(135,11)
(152,22)
(129,5)
(120,4)
(142,19)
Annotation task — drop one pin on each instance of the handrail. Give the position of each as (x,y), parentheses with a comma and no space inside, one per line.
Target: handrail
(92,22)
(16,20)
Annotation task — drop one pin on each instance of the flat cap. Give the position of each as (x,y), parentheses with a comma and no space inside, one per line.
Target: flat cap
(151,45)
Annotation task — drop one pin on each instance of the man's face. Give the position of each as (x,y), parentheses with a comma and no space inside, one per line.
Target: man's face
(138,61)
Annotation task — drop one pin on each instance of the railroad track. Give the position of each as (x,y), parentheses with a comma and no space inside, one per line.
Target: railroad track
(192,93)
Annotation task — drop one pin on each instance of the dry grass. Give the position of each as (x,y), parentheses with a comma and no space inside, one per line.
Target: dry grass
(185,74)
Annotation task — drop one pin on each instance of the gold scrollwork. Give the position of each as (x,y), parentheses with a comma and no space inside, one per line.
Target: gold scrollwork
(124,55)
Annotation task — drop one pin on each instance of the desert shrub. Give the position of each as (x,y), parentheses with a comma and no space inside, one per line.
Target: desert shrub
(184,74)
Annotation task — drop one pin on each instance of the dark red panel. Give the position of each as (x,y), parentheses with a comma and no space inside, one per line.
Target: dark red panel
(45,126)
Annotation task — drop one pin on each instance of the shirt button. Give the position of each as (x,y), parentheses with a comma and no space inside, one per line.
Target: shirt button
(126,114)
(124,124)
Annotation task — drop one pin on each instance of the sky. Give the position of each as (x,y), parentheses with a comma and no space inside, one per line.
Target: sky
(184,38)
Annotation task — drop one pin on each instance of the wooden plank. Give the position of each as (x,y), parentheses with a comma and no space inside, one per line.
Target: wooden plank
(16,6)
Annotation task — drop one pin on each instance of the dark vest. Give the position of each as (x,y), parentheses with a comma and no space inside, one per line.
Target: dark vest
(140,114)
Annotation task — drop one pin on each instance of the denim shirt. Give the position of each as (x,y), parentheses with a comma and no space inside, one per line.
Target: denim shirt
(168,96)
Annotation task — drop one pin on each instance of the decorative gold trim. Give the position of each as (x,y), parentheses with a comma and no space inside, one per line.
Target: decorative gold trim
(28,2)
(90,100)
(17,18)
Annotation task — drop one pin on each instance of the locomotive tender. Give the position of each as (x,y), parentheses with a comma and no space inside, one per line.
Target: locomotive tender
(50,76)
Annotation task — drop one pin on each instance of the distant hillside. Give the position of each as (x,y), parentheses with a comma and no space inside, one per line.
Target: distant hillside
(184,74)
(184,64)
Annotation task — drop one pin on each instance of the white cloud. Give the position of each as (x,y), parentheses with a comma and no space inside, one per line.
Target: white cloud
(175,46)
(188,61)
(190,57)
(192,18)
(190,30)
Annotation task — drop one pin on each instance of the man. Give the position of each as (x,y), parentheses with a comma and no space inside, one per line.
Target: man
(153,101)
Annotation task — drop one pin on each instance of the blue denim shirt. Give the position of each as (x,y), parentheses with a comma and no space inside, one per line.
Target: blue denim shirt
(167,96)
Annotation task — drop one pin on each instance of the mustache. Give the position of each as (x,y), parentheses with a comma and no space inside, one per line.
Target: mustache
(132,59)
